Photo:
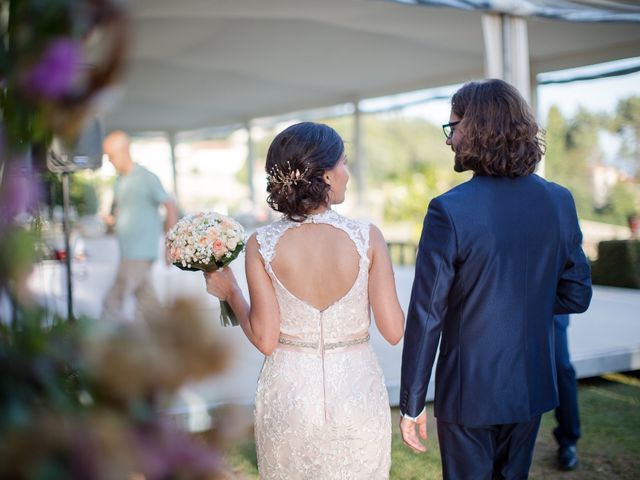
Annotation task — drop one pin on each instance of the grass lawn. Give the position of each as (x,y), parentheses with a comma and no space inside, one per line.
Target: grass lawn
(609,448)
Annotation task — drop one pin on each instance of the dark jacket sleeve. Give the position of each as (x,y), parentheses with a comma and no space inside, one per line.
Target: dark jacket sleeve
(574,287)
(428,306)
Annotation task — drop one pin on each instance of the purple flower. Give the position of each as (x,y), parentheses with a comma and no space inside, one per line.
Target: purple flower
(21,193)
(169,452)
(54,74)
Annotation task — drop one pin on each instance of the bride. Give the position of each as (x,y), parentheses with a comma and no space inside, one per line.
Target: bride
(322,410)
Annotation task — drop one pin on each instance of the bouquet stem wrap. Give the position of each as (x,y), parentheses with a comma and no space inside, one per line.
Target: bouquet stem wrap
(227,317)
(206,241)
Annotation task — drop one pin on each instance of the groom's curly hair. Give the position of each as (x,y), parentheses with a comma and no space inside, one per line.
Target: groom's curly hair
(296,162)
(499,134)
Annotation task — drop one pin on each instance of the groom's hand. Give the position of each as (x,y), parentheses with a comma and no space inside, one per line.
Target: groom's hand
(408,431)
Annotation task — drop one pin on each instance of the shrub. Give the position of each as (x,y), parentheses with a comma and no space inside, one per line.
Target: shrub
(618,264)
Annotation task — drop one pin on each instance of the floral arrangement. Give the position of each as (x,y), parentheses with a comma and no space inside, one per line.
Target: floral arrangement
(58,57)
(206,241)
(80,399)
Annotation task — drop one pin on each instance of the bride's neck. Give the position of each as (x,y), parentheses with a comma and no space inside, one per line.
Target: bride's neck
(318,210)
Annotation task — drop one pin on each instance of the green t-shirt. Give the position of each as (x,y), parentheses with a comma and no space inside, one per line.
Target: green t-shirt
(137,196)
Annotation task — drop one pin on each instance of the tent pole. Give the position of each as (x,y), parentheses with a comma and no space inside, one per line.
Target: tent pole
(541,170)
(506,46)
(250,156)
(517,42)
(493,51)
(506,56)
(171,138)
(358,167)
(67,246)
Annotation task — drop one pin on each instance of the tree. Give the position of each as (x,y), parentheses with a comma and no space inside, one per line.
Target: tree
(620,204)
(82,192)
(626,123)
(572,149)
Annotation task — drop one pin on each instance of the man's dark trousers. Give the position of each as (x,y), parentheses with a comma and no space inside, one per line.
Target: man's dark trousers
(568,430)
(492,452)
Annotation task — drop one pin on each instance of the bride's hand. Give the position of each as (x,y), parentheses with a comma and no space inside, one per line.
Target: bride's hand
(220,283)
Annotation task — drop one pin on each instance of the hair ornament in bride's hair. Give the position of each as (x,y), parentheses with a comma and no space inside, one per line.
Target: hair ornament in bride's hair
(288,178)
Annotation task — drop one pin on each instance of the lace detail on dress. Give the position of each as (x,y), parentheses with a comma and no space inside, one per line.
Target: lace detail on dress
(322,410)
(269,235)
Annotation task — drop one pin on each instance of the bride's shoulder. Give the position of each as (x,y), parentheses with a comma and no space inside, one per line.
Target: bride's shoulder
(276,225)
(359,230)
(267,235)
(356,223)
(375,235)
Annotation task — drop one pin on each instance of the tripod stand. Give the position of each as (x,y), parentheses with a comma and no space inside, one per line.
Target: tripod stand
(85,152)
(67,234)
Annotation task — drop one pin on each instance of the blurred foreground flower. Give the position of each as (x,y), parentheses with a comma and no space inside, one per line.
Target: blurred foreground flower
(60,445)
(51,70)
(53,76)
(81,401)
(154,355)
(21,194)
(17,254)
(165,450)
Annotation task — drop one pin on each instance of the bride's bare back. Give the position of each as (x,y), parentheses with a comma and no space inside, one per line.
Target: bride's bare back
(317,263)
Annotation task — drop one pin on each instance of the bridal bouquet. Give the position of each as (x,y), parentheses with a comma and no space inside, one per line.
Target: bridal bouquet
(206,241)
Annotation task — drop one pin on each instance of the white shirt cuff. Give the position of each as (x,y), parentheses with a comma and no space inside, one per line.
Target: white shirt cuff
(413,419)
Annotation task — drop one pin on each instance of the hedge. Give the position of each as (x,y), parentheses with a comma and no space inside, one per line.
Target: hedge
(618,264)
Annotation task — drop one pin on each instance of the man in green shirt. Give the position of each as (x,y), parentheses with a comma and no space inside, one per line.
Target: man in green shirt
(137,195)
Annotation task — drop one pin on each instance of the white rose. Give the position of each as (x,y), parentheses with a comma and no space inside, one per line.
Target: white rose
(232,243)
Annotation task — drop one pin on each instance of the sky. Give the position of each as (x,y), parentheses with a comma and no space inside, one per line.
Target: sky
(600,95)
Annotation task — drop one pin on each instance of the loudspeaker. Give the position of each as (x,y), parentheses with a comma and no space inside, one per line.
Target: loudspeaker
(83,153)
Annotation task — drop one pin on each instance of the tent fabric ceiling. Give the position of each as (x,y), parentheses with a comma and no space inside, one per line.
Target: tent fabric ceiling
(208,63)
(573,10)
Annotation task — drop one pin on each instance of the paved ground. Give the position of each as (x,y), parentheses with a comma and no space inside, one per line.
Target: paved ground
(605,338)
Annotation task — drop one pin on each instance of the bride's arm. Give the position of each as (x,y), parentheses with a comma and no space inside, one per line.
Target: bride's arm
(260,321)
(382,290)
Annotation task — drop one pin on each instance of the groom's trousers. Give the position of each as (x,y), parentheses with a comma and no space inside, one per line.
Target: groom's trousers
(489,452)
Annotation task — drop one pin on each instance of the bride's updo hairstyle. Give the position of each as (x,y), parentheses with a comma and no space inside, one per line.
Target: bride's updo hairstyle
(296,162)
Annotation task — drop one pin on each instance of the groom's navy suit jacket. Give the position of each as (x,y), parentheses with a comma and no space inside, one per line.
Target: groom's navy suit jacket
(498,257)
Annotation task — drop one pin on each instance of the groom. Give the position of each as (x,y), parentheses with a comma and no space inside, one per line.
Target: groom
(499,256)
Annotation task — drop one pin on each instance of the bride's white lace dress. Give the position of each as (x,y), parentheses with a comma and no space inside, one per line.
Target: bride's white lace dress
(322,410)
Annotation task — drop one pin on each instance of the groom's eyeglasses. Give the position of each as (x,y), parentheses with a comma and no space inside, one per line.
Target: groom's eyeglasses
(448,128)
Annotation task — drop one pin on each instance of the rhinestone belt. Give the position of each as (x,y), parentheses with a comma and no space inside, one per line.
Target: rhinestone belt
(327,346)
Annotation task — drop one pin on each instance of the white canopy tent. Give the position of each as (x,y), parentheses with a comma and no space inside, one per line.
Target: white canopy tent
(202,63)
(207,63)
